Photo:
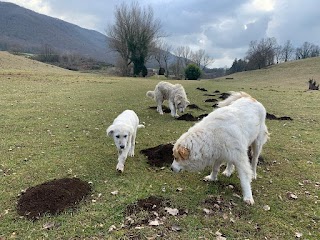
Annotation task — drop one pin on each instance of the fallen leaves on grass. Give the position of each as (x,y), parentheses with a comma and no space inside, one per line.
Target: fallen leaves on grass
(291,196)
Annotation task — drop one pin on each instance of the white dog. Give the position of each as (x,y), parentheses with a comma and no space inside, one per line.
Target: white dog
(124,131)
(224,136)
(174,93)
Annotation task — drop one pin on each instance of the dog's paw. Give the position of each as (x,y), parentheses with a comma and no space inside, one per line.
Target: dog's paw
(209,178)
(254,176)
(248,201)
(226,173)
(120,167)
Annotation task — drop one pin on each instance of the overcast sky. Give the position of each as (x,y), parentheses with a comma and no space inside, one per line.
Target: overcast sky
(223,28)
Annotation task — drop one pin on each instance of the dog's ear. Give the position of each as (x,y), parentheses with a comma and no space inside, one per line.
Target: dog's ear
(110,130)
(181,153)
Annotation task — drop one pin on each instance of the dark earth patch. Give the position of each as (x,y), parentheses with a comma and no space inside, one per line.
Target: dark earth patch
(159,156)
(211,100)
(190,117)
(271,116)
(165,109)
(52,197)
(194,106)
(148,209)
(224,95)
(202,89)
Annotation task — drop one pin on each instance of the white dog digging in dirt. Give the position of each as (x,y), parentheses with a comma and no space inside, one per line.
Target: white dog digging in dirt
(224,136)
(174,93)
(124,132)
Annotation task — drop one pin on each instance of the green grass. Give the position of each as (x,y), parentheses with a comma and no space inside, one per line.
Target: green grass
(53,125)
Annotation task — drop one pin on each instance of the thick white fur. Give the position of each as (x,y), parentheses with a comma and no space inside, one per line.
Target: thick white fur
(124,132)
(174,93)
(224,136)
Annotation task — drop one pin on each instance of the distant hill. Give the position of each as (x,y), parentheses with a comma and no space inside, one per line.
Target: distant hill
(28,31)
(293,74)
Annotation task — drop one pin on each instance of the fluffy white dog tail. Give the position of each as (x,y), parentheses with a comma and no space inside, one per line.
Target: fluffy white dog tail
(233,97)
(150,94)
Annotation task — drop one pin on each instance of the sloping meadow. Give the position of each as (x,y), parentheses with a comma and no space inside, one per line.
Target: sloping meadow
(53,127)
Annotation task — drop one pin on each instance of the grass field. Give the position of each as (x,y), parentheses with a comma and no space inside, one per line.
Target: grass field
(53,124)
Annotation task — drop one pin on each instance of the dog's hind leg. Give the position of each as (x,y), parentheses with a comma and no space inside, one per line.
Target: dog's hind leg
(245,174)
(256,148)
(159,106)
(214,174)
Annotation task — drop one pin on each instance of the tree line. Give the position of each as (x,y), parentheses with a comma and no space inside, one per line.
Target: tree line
(267,52)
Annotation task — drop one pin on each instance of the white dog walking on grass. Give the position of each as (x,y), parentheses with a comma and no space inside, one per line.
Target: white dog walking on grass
(124,131)
(174,93)
(224,136)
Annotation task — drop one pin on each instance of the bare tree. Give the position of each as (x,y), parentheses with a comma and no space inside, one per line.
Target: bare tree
(278,53)
(287,51)
(186,55)
(166,55)
(178,65)
(261,54)
(304,51)
(134,34)
(201,59)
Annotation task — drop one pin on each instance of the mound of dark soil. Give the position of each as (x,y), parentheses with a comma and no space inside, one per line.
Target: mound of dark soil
(52,197)
(215,105)
(211,100)
(165,109)
(273,117)
(224,95)
(202,89)
(190,117)
(159,156)
(194,106)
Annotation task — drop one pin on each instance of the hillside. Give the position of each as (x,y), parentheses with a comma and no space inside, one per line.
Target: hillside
(293,74)
(29,31)
(10,63)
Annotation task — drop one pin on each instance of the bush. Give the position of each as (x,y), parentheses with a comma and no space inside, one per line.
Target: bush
(192,72)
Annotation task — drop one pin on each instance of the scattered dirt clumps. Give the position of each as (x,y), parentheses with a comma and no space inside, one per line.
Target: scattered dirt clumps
(149,209)
(165,109)
(190,117)
(202,89)
(194,106)
(211,100)
(270,116)
(159,156)
(52,197)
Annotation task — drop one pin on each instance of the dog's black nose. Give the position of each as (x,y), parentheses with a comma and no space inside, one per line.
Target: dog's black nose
(122,147)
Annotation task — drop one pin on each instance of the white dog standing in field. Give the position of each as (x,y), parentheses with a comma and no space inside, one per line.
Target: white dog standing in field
(124,131)
(224,136)
(174,93)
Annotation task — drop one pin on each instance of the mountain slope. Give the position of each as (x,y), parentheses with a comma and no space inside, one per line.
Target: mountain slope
(30,31)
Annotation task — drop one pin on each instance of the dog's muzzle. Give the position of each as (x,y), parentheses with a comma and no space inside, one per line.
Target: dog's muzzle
(175,167)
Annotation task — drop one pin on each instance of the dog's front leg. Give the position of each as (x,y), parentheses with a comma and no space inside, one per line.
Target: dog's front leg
(131,145)
(122,159)
(214,174)
(173,109)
